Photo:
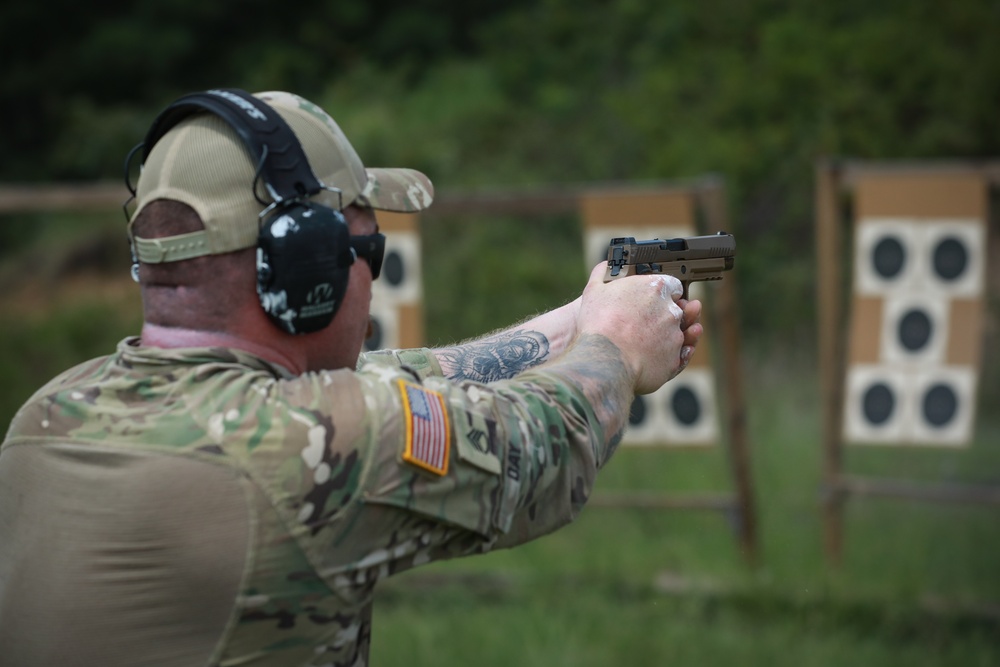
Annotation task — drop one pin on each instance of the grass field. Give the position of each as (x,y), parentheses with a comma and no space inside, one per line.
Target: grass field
(919,584)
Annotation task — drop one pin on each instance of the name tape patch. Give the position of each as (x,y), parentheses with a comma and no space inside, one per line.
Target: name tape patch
(428,437)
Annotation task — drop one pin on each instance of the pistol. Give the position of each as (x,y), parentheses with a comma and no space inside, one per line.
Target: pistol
(689,259)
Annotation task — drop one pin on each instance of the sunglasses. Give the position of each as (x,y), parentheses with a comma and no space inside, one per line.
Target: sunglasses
(370,248)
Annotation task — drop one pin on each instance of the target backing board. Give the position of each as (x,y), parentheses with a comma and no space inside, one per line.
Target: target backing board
(684,411)
(397,317)
(917,308)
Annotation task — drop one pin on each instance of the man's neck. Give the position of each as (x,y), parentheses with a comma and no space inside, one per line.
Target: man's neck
(156,335)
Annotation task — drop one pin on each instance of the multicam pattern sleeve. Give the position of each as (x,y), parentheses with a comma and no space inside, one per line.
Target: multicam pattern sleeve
(521,461)
(420,361)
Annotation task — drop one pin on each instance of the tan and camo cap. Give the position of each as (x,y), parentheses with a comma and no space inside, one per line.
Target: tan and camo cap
(203,163)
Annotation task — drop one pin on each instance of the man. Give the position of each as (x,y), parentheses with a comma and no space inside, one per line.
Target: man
(230,486)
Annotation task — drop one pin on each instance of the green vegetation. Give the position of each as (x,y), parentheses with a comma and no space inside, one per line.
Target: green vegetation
(535,93)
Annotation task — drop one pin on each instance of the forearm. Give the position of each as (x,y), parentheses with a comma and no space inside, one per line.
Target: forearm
(596,366)
(503,354)
(556,468)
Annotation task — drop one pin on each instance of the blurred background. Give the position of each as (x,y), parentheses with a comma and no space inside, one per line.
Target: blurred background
(534,95)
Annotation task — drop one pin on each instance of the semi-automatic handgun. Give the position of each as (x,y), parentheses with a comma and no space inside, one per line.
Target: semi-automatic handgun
(689,259)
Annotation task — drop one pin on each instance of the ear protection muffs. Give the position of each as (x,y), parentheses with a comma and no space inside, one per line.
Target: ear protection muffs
(304,251)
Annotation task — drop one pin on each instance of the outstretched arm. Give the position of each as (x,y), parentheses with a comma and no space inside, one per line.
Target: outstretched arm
(525,451)
(503,354)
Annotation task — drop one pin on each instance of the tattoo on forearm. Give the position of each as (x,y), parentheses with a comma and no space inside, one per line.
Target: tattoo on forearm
(597,365)
(495,358)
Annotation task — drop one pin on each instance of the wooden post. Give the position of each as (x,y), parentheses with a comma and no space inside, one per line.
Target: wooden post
(62,197)
(971,494)
(831,334)
(712,197)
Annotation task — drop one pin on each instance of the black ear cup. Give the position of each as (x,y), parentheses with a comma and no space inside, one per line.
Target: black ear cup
(304,260)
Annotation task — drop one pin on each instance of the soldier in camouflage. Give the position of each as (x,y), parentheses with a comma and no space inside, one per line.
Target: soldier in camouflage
(222,492)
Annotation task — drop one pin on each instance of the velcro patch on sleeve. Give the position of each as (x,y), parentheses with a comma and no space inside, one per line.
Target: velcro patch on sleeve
(428,436)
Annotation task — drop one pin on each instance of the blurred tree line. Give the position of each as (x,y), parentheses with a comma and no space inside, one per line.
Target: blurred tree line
(498,94)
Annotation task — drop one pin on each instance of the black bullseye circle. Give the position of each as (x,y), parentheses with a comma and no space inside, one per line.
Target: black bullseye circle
(637,413)
(878,403)
(940,405)
(915,329)
(393,268)
(888,257)
(686,406)
(950,259)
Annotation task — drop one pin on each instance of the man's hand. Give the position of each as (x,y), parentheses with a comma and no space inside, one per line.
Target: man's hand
(646,318)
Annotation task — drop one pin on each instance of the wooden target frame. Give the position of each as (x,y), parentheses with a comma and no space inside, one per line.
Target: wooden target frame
(837,181)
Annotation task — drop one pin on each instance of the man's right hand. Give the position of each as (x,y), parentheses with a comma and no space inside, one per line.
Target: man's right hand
(646,318)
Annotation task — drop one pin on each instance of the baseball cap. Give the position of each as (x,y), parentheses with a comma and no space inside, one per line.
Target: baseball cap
(203,163)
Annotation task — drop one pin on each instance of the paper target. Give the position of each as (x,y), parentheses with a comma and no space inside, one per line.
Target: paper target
(920,264)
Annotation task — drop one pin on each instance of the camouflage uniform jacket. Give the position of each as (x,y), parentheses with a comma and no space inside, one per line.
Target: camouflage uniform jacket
(205,507)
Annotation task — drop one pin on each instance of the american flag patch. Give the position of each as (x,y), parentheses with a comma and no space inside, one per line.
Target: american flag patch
(427,433)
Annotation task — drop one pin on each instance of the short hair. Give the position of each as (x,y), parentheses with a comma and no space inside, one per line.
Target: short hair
(198,293)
